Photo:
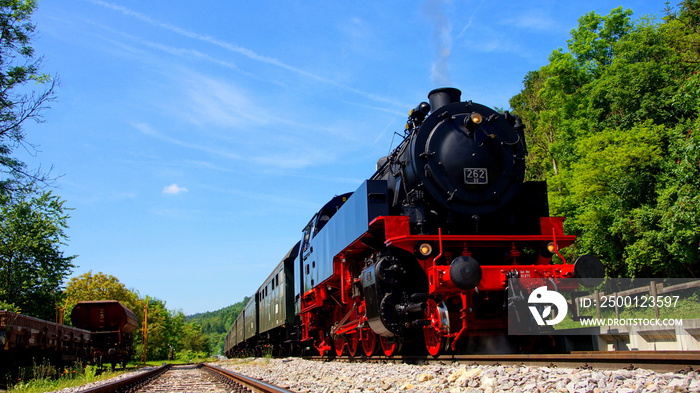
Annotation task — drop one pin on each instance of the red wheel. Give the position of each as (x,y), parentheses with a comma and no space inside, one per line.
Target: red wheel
(388,347)
(369,344)
(435,334)
(339,344)
(353,340)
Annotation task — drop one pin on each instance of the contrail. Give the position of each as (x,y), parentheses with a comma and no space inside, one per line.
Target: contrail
(240,50)
(471,19)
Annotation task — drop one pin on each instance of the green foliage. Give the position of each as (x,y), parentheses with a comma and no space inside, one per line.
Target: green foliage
(593,41)
(48,378)
(159,336)
(611,188)
(678,209)
(216,324)
(613,127)
(18,103)
(192,338)
(100,286)
(32,265)
(189,356)
(32,222)
(168,333)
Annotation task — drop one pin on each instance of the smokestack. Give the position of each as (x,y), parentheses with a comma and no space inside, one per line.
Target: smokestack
(443,96)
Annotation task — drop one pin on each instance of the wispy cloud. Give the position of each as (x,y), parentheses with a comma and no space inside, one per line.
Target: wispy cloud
(148,130)
(186,53)
(174,189)
(277,153)
(215,101)
(293,160)
(248,53)
(534,19)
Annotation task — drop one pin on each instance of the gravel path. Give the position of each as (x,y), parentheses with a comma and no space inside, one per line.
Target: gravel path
(304,376)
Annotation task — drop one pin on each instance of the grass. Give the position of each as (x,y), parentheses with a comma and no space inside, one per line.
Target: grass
(44,376)
(44,379)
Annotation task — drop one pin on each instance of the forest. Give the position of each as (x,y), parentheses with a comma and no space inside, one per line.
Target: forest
(613,127)
(216,324)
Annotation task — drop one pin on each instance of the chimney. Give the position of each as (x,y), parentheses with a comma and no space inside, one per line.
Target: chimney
(443,96)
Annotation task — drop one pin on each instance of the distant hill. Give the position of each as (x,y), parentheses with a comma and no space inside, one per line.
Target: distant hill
(216,324)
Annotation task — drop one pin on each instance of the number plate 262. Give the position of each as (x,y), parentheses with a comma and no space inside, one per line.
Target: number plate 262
(476,176)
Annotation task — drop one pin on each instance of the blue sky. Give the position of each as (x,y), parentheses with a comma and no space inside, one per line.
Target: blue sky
(195,139)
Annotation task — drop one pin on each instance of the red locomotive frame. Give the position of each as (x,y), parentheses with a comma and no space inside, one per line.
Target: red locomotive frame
(347,327)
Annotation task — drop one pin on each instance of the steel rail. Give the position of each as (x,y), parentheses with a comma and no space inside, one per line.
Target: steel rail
(661,361)
(130,383)
(228,377)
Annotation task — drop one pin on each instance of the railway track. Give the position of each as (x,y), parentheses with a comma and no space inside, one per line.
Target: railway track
(208,378)
(188,378)
(659,361)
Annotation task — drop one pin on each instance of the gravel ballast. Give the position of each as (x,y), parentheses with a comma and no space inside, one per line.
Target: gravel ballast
(306,376)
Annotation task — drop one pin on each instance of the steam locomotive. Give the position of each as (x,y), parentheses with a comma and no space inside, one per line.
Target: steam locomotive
(421,253)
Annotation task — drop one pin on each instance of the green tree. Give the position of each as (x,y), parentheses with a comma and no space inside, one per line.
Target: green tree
(554,103)
(193,338)
(185,339)
(678,208)
(167,331)
(175,328)
(612,125)
(32,264)
(216,324)
(19,66)
(593,42)
(100,286)
(613,188)
(160,331)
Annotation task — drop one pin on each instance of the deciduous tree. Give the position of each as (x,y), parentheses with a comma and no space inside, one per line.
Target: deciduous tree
(32,264)
(612,127)
(100,286)
(19,98)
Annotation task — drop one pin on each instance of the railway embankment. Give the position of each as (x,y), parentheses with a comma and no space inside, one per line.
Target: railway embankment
(305,376)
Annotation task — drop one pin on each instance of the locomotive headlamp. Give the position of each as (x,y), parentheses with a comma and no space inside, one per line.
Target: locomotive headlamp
(476,118)
(473,120)
(548,250)
(424,249)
